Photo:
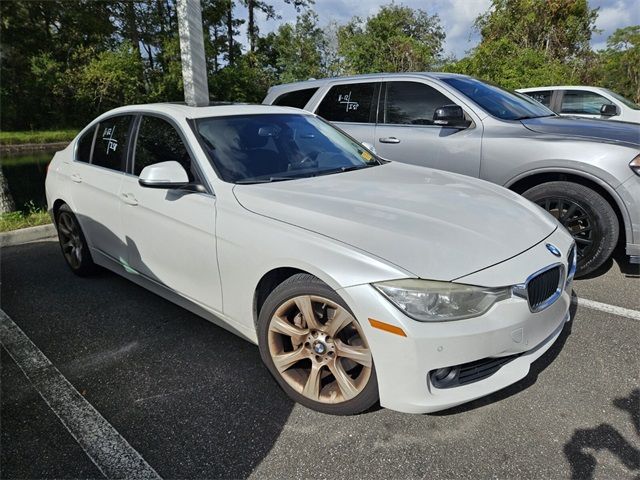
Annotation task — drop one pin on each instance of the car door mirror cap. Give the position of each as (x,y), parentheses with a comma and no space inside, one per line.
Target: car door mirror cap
(450,116)
(164,175)
(608,110)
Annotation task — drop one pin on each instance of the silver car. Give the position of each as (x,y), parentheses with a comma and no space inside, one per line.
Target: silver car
(585,172)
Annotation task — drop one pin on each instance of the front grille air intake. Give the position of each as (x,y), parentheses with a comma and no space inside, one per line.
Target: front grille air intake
(542,288)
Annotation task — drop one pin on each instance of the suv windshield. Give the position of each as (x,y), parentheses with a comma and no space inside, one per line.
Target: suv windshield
(498,102)
(622,99)
(274,147)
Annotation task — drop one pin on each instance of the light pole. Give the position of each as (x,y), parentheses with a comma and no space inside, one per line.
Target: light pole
(194,64)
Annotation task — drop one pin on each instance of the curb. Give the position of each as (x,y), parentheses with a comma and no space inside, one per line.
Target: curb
(24,235)
(31,147)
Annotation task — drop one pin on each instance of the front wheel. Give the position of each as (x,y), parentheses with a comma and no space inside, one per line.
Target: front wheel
(315,348)
(585,214)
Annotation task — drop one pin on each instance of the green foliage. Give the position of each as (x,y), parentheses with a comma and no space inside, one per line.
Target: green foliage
(31,217)
(396,39)
(619,65)
(42,136)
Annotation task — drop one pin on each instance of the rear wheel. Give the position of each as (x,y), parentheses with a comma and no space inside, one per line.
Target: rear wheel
(72,242)
(315,348)
(586,215)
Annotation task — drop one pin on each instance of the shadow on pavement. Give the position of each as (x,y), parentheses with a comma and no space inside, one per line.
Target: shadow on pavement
(192,398)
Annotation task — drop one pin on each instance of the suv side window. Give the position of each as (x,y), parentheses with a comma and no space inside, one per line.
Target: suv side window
(112,141)
(351,102)
(83,149)
(158,141)
(297,98)
(412,103)
(582,102)
(542,96)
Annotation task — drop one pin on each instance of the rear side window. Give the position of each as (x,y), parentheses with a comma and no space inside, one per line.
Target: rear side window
(542,96)
(110,150)
(297,98)
(583,102)
(352,102)
(158,141)
(412,103)
(83,150)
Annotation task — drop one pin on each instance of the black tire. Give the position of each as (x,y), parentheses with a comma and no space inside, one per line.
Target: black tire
(586,214)
(302,285)
(73,243)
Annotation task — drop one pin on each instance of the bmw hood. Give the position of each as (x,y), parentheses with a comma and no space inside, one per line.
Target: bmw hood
(588,128)
(435,224)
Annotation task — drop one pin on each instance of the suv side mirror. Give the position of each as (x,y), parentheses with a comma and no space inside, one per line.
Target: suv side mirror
(608,110)
(164,175)
(450,116)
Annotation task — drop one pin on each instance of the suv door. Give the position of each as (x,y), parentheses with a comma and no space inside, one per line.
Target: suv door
(352,107)
(97,172)
(170,234)
(406,133)
(582,103)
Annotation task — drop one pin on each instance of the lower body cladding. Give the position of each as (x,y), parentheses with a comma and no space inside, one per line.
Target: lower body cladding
(439,365)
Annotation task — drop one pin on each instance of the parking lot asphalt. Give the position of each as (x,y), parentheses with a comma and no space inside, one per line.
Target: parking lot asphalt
(196,402)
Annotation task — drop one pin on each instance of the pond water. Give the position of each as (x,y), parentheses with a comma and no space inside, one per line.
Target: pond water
(25,174)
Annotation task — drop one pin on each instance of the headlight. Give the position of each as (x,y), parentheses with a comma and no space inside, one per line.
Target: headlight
(429,301)
(635,165)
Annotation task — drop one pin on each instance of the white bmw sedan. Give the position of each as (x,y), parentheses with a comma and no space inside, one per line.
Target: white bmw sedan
(359,279)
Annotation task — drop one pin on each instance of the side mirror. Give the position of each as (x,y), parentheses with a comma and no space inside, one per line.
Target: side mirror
(164,175)
(450,116)
(608,110)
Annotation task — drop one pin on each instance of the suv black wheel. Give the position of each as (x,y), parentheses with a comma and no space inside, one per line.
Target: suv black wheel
(586,215)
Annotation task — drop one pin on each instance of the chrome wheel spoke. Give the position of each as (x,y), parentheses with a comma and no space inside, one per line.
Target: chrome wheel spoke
(281,325)
(312,387)
(341,319)
(286,360)
(360,355)
(306,309)
(344,381)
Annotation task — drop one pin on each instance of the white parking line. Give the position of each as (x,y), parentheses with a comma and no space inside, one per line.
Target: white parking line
(106,448)
(605,307)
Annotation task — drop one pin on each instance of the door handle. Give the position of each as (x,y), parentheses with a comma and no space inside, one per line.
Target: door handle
(76,178)
(129,199)
(389,140)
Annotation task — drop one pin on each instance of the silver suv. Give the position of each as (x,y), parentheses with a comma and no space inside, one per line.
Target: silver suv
(585,172)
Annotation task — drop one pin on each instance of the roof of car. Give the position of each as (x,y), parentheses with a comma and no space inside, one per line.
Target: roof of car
(321,81)
(217,109)
(560,87)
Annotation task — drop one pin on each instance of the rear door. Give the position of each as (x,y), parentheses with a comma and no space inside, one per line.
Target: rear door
(406,133)
(97,174)
(170,234)
(352,107)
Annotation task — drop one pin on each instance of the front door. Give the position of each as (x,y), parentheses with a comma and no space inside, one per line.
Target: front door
(170,234)
(406,132)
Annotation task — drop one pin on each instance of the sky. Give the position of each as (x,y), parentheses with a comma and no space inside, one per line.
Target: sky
(457,17)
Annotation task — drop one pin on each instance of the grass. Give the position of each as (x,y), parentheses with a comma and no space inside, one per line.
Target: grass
(42,136)
(32,217)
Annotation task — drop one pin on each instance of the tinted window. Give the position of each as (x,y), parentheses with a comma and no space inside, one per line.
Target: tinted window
(159,142)
(498,102)
(583,102)
(277,147)
(412,103)
(297,99)
(110,150)
(348,103)
(542,96)
(83,150)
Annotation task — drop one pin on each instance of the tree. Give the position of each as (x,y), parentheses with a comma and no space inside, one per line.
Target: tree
(619,64)
(396,39)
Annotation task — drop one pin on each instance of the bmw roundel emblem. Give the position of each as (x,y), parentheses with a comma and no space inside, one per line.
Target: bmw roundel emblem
(553,249)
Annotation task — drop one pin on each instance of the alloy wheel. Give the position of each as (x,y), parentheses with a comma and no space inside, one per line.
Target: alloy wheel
(70,239)
(319,349)
(578,221)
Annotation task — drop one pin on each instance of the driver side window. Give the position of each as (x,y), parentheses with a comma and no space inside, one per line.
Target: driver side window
(158,141)
(412,103)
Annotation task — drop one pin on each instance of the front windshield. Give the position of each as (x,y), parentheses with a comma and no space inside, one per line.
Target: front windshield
(274,147)
(626,101)
(497,101)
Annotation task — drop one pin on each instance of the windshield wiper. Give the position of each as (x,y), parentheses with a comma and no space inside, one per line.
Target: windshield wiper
(343,169)
(529,117)
(248,181)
